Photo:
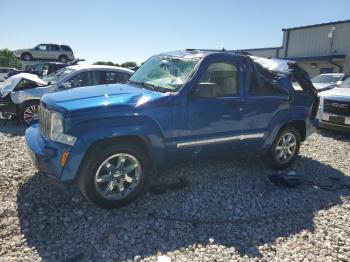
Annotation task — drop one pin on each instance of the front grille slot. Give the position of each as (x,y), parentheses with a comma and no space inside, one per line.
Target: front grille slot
(44,121)
(337,107)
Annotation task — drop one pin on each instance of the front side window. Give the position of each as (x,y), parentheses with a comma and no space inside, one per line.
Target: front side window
(165,72)
(89,78)
(224,78)
(42,47)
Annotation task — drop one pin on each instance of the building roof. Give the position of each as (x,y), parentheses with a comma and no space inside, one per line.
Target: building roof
(317,25)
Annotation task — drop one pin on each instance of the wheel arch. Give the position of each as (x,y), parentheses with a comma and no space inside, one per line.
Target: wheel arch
(140,141)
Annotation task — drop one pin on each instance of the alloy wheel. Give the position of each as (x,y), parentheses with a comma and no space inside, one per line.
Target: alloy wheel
(31,114)
(117,176)
(286,147)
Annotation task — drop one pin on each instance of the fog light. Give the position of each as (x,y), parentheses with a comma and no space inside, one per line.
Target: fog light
(64,158)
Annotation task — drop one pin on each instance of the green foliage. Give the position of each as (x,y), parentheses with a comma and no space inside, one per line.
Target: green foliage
(129,64)
(109,63)
(7,59)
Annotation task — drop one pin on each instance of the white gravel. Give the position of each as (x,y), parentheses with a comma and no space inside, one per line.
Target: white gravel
(229,212)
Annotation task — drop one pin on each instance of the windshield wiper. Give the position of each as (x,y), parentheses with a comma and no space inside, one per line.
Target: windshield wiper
(150,86)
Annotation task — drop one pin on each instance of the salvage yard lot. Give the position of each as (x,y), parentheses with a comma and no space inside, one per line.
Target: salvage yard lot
(229,211)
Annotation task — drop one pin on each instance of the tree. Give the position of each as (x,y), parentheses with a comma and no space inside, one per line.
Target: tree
(129,64)
(8,59)
(109,63)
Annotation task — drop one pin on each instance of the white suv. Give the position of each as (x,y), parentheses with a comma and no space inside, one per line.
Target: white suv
(334,110)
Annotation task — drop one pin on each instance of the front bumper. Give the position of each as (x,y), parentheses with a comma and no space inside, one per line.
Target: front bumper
(333,126)
(7,106)
(46,155)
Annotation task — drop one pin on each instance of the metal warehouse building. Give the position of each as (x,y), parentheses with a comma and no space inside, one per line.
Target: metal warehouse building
(320,48)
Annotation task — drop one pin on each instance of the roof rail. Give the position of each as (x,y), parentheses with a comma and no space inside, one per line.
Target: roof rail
(237,52)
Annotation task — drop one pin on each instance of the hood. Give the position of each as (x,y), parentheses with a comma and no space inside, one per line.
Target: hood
(10,83)
(22,50)
(89,98)
(321,86)
(343,93)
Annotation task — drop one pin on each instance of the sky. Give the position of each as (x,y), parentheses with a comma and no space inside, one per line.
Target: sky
(119,31)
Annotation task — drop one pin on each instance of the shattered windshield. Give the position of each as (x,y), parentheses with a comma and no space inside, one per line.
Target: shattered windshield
(57,76)
(165,73)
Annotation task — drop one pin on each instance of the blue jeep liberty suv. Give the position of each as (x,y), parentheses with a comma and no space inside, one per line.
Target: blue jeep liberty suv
(177,106)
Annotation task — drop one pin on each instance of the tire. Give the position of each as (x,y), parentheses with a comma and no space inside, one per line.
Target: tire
(26,57)
(63,59)
(28,112)
(99,173)
(279,155)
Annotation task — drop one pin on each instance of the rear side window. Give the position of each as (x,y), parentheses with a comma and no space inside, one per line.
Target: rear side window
(264,87)
(66,48)
(55,48)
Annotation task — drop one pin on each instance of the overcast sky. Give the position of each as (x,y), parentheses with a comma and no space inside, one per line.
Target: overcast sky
(121,31)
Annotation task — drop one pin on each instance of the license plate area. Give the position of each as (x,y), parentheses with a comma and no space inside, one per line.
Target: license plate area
(340,120)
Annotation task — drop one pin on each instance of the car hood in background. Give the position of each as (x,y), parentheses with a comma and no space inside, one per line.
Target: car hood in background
(337,93)
(10,83)
(90,98)
(322,86)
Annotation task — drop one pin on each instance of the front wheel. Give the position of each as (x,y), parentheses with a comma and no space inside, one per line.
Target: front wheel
(285,148)
(28,112)
(114,175)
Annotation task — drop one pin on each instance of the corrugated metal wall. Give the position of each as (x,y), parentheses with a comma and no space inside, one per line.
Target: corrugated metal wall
(314,41)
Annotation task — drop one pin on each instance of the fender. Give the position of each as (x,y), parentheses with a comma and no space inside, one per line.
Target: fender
(94,130)
(284,117)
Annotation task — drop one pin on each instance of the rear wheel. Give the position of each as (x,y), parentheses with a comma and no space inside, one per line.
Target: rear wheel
(28,112)
(114,175)
(63,59)
(285,148)
(26,57)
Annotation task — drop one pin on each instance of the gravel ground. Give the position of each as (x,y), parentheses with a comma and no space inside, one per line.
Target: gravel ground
(228,212)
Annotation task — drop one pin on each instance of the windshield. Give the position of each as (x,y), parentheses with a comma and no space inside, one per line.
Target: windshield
(57,76)
(346,83)
(326,79)
(165,72)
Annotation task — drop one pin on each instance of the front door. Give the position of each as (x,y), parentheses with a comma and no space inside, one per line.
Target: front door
(216,121)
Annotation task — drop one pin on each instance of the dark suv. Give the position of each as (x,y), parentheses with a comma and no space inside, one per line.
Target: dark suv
(61,53)
(177,106)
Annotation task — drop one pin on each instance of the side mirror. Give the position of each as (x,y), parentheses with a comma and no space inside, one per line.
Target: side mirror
(205,90)
(66,85)
(339,83)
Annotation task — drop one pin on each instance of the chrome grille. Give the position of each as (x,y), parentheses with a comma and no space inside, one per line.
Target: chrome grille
(337,107)
(44,121)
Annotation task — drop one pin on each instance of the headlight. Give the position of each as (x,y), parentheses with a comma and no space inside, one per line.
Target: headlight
(57,128)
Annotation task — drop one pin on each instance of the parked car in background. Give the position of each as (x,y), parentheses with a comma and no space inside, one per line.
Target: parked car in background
(61,53)
(21,93)
(4,71)
(325,82)
(43,69)
(334,112)
(177,106)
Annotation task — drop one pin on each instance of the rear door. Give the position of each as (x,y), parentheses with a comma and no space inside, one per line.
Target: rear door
(54,52)
(263,101)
